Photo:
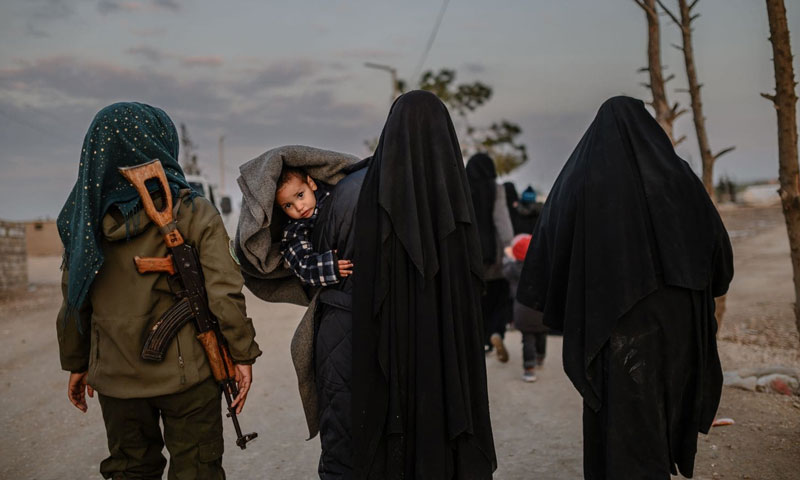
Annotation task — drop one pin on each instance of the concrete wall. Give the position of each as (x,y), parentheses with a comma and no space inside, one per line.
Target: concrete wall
(42,240)
(13,258)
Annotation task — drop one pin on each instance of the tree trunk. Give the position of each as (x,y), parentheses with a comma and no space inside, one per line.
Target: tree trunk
(785,100)
(660,103)
(697,102)
(708,158)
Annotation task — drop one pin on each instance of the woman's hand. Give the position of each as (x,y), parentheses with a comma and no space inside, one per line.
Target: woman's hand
(345,268)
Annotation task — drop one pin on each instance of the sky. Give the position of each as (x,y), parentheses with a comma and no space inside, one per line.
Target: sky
(267,73)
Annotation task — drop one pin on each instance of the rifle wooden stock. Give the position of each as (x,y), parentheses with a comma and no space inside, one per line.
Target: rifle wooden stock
(218,358)
(155,264)
(138,176)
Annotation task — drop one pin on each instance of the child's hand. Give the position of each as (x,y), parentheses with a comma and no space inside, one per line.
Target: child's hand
(345,268)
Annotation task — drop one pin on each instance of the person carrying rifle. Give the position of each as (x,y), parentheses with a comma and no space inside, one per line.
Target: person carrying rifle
(110,307)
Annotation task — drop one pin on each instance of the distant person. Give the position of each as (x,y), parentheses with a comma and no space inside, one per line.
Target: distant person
(527,320)
(527,212)
(420,401)
(512,201)
(108,306)
(627,259)
(299,198)
(495,232)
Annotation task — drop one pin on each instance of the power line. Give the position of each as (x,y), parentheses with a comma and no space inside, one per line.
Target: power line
(418,70)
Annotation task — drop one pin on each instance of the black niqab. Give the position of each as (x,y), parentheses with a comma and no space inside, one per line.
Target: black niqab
(420,402)
(625,215)
(481,175)
(512,197)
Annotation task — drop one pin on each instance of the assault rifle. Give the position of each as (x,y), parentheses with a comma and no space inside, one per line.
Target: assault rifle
(187,283)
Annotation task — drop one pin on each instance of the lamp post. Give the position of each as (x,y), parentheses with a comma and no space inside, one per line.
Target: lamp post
(392,71)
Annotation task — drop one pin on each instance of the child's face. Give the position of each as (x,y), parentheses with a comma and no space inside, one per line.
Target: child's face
(296,197)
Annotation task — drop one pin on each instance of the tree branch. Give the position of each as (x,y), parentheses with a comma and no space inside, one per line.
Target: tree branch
(643,69)
(679,47)
(769,97)
(683,137)
(694,17)
(649,11)
(723,152)
(669,12)
(691,5)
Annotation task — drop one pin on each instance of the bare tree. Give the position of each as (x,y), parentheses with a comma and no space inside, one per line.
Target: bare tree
(665,115)
(685,24)
(785,101)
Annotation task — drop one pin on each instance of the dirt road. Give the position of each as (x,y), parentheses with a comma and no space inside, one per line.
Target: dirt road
(537,426)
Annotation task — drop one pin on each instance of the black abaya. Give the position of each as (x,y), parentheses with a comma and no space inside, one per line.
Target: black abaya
(420,403)
(627,220)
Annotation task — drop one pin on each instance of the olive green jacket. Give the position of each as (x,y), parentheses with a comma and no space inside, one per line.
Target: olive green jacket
(123,303)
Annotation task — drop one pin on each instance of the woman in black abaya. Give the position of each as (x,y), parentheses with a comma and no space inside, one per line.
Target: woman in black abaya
(629,254)
(420,404)
(495,233)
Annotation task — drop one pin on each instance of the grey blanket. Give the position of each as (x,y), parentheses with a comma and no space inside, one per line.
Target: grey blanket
(257,243)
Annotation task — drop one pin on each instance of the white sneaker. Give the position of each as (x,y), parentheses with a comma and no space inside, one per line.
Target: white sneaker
(529,376)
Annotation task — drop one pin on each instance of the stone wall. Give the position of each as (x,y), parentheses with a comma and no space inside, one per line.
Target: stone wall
(13,256)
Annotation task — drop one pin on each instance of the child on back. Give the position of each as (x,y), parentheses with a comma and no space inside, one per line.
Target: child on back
(527,320)
(299,198)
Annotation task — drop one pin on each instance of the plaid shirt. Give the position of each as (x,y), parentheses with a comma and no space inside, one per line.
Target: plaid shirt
(315,269)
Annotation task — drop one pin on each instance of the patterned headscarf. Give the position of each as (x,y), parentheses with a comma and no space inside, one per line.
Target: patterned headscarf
(121,135)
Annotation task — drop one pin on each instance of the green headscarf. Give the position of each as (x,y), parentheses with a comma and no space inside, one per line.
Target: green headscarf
(121,135)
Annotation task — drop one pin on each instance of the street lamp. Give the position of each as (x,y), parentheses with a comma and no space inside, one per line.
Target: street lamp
(392,71)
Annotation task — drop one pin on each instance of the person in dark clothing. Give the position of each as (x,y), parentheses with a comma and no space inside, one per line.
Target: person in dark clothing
(527,320)
(628,257)
(512,202)
(526,212)
(321,346)
(420,402)
(495,232)
(333,356)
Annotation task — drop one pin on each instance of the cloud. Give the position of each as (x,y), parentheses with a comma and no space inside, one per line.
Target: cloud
(76,79)
(51,9)
(150,53)
(156,55)
(278,74)
(471,67)
(149,31)
(106,7)
(367,53)
(168,4)
(34,31)
(202,61)
(42,12)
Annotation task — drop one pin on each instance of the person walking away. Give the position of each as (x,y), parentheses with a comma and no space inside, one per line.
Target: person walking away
(527,320)
(495,232)
(108,305)
(628,256)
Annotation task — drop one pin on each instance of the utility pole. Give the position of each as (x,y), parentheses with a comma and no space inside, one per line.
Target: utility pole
(221,165)
(392,71)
